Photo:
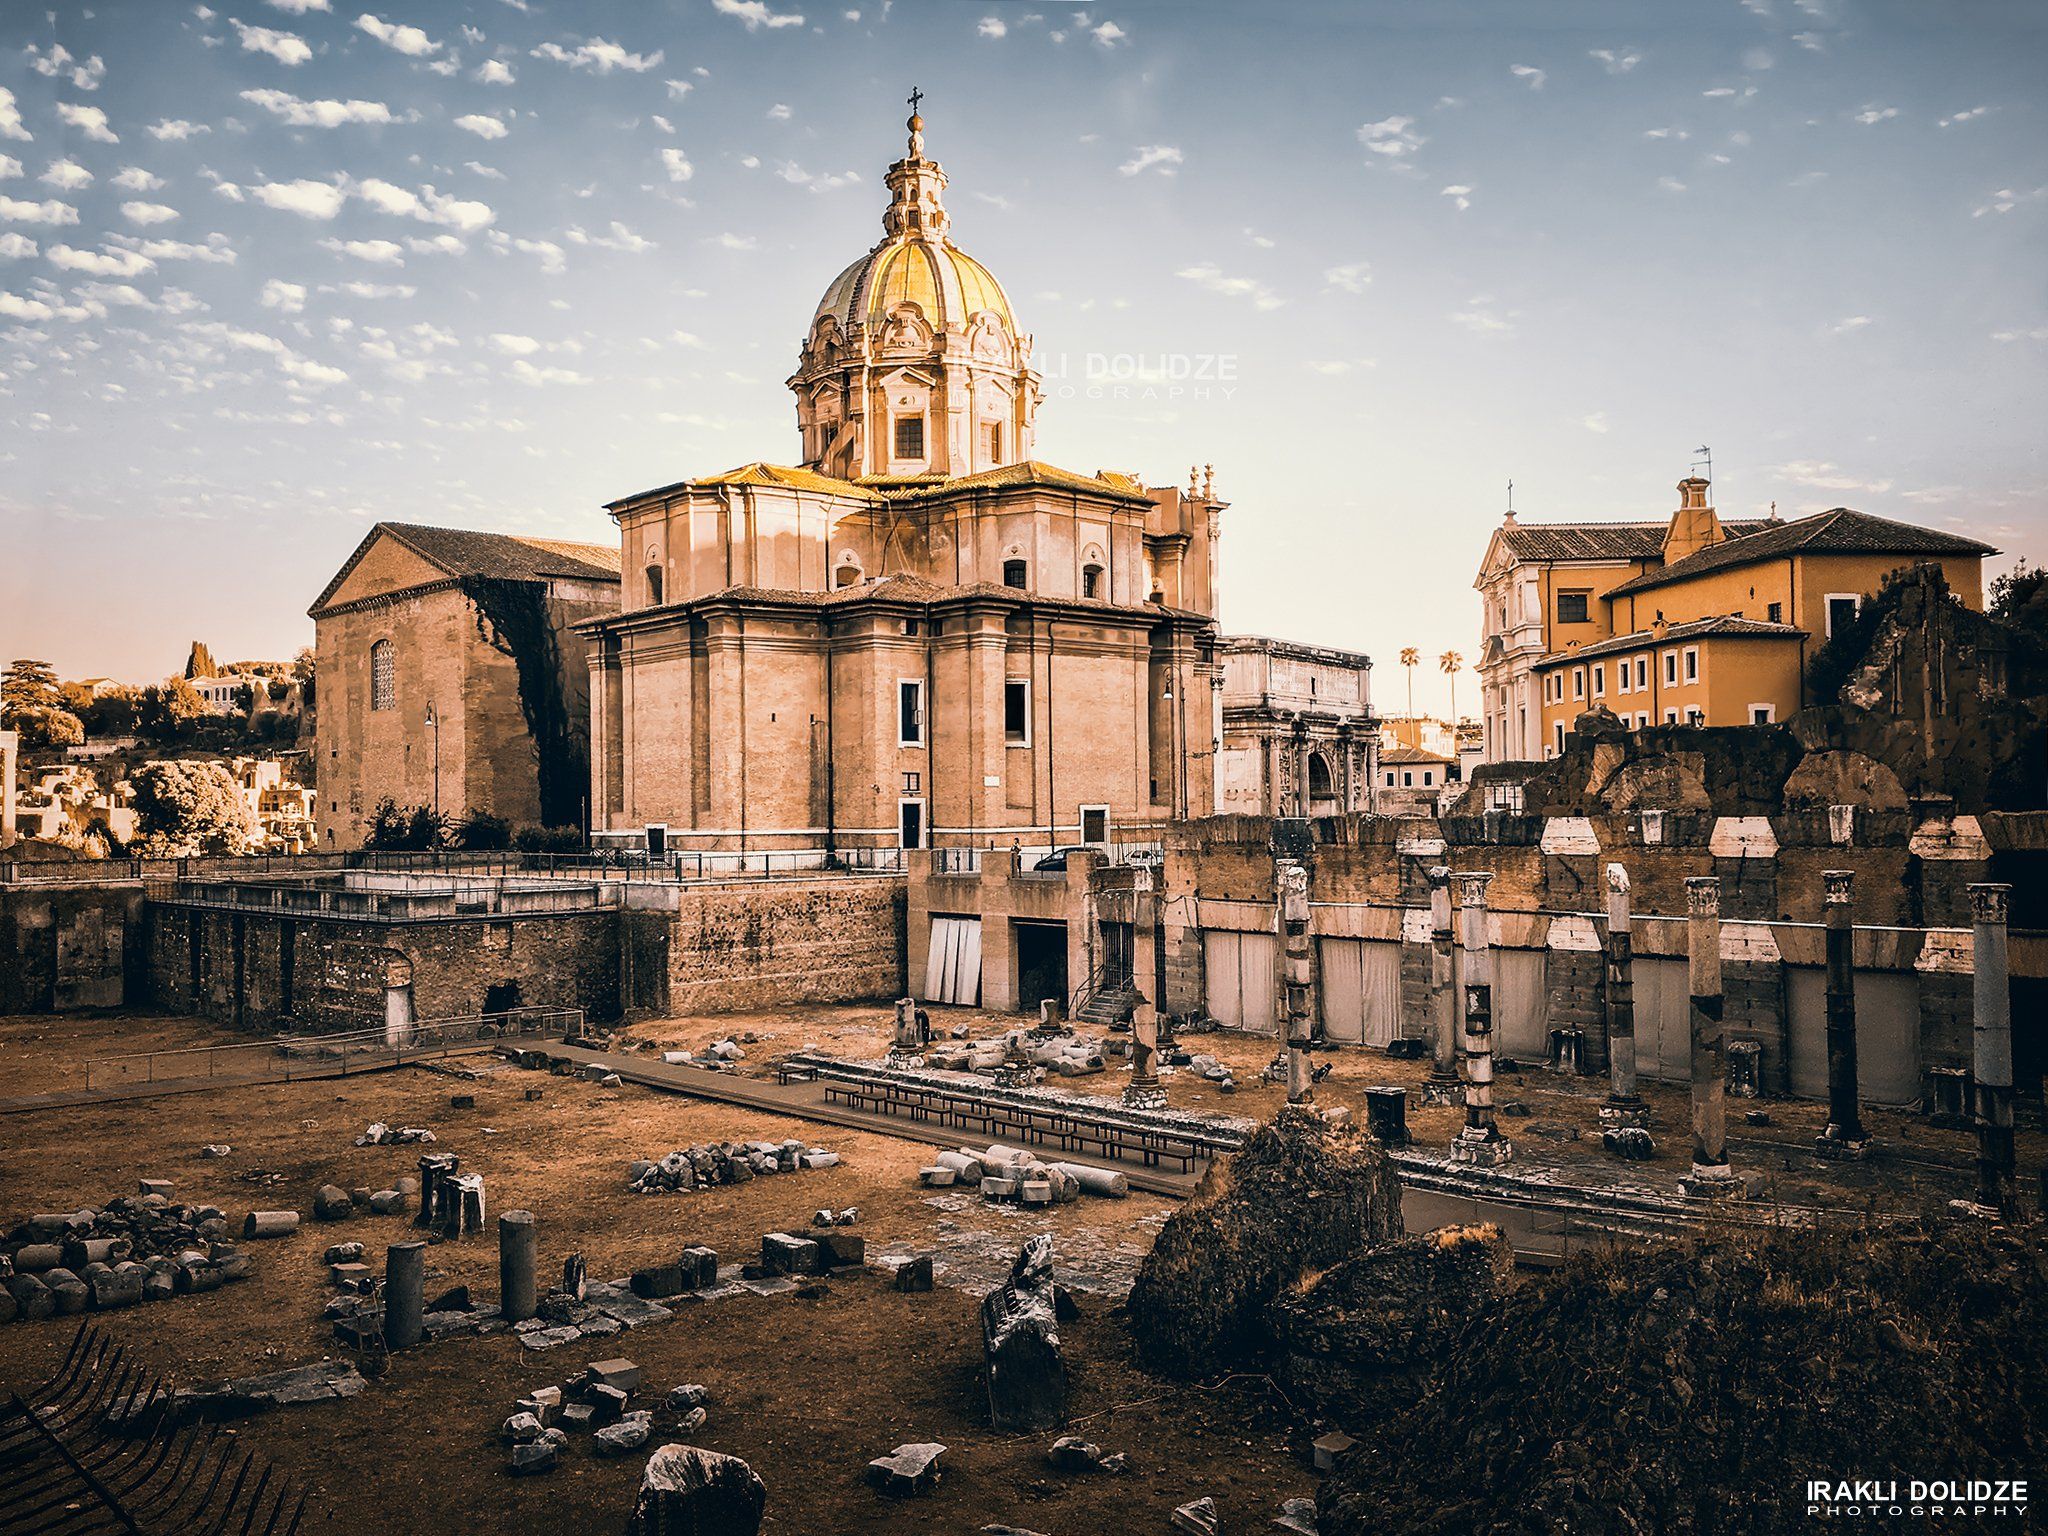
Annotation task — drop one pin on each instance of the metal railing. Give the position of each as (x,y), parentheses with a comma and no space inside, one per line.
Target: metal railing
(286,1058)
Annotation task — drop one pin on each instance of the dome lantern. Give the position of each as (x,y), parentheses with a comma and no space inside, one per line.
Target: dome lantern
(914,364)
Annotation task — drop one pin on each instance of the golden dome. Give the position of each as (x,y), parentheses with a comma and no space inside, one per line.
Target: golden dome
(948,286)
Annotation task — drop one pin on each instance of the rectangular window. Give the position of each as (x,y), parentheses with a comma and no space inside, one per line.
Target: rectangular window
(1560,736)
(1599,680)
(910,715)
(1670,715)
(1095,824)
(1017,711)
(909,437)
(1578,682)
(1621,674)
(1694,717)
(1643,673)
(1642,719)
(1762,714)
(1670,668)
(1842,610)
(1775,613)
(994,442)
(1572,607)
(1407,778)
(1692,663)
(1428,777)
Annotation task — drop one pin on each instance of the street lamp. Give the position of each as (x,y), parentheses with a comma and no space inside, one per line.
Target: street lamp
(434,725)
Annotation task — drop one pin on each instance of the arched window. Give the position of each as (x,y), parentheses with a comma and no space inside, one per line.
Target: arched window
(847,575)
(1091,581)
(654,585)
(1320,786)
(383,677)
(1013,573)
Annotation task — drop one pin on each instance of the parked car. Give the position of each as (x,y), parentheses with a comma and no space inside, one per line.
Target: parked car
(1057,860)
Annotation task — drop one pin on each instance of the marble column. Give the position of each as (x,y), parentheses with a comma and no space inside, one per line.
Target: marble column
(1441,1086)
(1624,1106)
(1990,906)
(1711,1175)
(1844,1136)
(405,1293)
(517,1246)
(1292,878)
(1479,1140)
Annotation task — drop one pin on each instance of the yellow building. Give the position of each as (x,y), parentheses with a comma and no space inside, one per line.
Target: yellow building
(1719,632)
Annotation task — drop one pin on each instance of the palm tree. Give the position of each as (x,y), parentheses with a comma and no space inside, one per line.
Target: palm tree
(1411,658)
(1450,661)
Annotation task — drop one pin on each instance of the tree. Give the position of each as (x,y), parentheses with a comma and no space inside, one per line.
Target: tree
(28,684)
(404,828)
(112,713)
(1411,658)
(2019,601)
(42,726)
(165,711)
(199,662)
(1450,661)
(184,808)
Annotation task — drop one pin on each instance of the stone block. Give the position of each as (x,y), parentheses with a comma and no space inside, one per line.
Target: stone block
(658,1280)
(700,1268)
(332,1203)
(907,1471)
(687,1489)
(607,1405)
(621,1374)
(915,1274)
(841,1249)
(782,1254)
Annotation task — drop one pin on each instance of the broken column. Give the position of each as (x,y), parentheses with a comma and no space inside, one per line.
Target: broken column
(434,1168)
(905,1049)
(1711,1176)
(1479,1140)
(1025,1371)
(517,1244)
(405,1293)
(687,1490)
(1292,880)
(1992,996)
(1441,1086)
(1144,1091)
(1844,1136)
(1624,1106)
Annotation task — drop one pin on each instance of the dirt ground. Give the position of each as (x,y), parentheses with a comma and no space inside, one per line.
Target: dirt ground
(806,1390)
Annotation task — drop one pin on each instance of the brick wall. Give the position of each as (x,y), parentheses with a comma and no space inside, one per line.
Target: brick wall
(64,948)
(728,948)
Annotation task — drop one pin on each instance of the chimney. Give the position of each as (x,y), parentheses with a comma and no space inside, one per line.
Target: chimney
(1694,525)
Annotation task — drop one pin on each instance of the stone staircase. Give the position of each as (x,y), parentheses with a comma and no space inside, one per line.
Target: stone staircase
(1106,1001)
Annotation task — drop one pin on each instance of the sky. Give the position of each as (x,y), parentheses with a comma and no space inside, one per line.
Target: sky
(271,270)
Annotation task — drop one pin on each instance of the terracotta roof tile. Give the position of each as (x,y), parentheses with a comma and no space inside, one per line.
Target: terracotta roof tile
(1724,624)
(1838,531)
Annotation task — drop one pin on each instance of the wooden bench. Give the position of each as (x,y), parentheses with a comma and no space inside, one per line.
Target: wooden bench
(1040,1125)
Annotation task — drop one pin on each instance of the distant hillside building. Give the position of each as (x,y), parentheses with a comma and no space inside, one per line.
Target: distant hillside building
(450,673)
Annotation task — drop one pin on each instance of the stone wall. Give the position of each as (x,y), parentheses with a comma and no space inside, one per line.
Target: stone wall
(65,947)
(763,943)
(267,970)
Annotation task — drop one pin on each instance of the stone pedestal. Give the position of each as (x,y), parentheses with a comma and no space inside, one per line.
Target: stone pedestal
(1479,1141)
(1144,1090)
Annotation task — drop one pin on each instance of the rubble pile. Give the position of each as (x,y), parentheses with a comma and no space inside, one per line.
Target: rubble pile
(135,1248)
(1640,1388)
(725,1162)
(1020,1175)
(1065,1054)
(1302,1195)
(381,1135)
(595,1401)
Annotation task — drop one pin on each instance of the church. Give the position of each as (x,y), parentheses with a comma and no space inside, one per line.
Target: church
(917,635)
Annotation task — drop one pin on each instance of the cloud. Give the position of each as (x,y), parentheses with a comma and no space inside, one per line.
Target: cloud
(215,250)
(553,259)
(511,345)
(780,112)
(1666,133)
(9,166)
(148,213)
(386,253)
(1852,323)
(1670,184)
(677,164)
(1461,196)
(482,126)
(2037,333)
(599,57)
(308,199)
(410,41)
(176,130)
(1481,318)
(1828,477)
(832,181)
(1875,114)
(89,121)
(60,64)
(10,117)
(733,242)
(2005,199)
(362,290)
(527,374)
(66,176)
(1352,277)
(1393,137)
(620,239)
(1962,117)
(134,178)
(287,298)
(285,47)
(318,114)
(299,7)
(1530,73)
(17,246)
(15,307)
(1152,157)
(1616,61)
(1209,276)
(50,212)
(101,263)
(494,72)
(1108,34)
(426,205)
(755,14)
(992,26)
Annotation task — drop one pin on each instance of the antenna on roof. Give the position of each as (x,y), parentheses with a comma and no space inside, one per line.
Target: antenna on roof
(1703,456)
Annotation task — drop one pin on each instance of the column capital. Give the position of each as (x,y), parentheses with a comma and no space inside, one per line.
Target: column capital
(1703,895)
(1839,885)
(1470,885)
(1438,875)
(1617,879)
(1991,903)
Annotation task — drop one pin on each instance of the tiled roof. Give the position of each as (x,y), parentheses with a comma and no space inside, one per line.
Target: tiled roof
(761,473)
(1724,624)
(1394,756)
(1602,541)
(1838,531)
(915,590)
(1025,472)
(461,552)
